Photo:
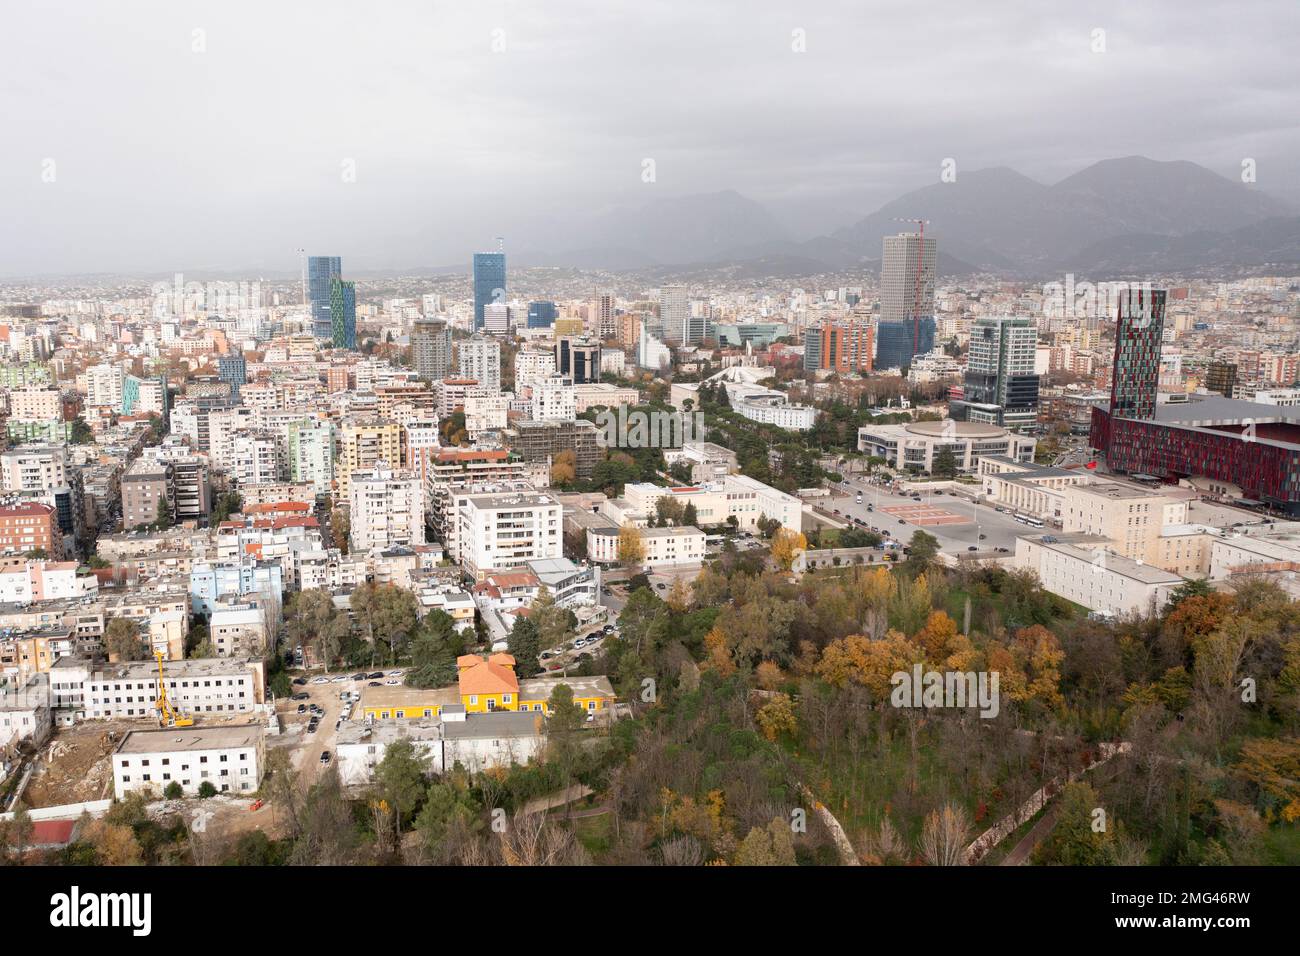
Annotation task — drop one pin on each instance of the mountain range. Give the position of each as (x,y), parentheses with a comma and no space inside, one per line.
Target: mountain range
(1116,217)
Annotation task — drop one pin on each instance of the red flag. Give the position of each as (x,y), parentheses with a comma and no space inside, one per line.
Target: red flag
(1092,465)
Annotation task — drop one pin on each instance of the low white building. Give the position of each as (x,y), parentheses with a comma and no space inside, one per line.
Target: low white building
(1082,569)
(229,758)
(775,409)
(914,445)
(476,742)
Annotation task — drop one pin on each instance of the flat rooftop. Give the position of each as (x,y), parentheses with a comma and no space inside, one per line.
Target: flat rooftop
(180,739)
(1084,547)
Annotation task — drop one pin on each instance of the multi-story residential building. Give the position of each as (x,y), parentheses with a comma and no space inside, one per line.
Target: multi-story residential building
(363,445)
(33,468)
(205,687)
(554,400)
(532,366)
(311,453)
(256,457)
(104,385)
(36,404)
(431,348)
(386,508)
(839,346)
(30,527)
(229,758)
(479,358)
(502,531)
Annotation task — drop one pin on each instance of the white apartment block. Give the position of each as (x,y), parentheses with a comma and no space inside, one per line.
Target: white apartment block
(554,400)
(256,458)
(104,385)
(229,758)
(501,531)
(197,688)
(480,359)
(33,468)
(386,508)
(485,411)
(533,366)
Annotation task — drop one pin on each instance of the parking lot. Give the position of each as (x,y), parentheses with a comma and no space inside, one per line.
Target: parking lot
(323,692)
(958,523)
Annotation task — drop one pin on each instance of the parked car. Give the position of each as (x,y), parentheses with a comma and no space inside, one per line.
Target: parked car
(361,676)
(972,548)
(311,726)
(375,676)
(300,680)
(302,708)
(393,681)
(396,673)
(374,683)
(301,697)
(324,756)
(320,680)
(341,677)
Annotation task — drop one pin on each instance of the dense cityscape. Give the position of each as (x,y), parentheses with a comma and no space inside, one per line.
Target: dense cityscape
(699,532)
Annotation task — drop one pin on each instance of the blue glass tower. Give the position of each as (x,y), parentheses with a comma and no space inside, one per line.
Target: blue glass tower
(321,271)
(542,315)
(894,341)
(233,369)
(489,282)
(343,314)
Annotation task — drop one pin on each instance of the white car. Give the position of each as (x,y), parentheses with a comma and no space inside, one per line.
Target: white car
(396,673)
(320,680)
(392,681)
(341,678)
(580,642)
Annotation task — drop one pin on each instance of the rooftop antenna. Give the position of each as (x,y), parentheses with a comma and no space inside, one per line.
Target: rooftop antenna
(916,301)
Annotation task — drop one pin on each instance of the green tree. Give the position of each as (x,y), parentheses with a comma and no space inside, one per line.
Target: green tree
(163,521)
(525,645)
(206,790)
(173,790)
(399,779)
(944,464)
(434,650)
(123,642)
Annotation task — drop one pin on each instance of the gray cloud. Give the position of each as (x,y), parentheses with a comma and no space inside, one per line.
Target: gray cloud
(231,158)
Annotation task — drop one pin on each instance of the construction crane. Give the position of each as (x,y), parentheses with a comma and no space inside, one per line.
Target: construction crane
(916,301)
(167,717)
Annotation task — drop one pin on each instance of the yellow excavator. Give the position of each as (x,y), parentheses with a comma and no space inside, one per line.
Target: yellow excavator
(167,717)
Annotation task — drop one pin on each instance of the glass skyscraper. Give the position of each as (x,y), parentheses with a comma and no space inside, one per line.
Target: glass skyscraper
(343,314)
(542,315)
(489,282)
(321,271)
(1139,332)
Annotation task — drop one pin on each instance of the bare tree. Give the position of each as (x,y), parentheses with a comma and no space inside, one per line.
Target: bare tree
(945,836)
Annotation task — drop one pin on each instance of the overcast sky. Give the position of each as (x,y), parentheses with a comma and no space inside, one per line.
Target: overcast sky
(165,158)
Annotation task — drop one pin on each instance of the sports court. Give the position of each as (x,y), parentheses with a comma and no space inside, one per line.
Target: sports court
(925,515)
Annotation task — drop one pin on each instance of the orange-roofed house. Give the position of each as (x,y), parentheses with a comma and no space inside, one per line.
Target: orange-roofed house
(487,685)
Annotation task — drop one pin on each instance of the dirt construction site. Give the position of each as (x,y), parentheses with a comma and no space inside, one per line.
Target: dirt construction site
(75,766)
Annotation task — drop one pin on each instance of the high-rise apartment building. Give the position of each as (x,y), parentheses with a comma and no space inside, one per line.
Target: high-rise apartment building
(1221,377)
(386,508)
(321,272)
(839,346)
(363,445)
(311,453)
(606,321)
(1001,386)
(479,358)
(431,348)
(489,282)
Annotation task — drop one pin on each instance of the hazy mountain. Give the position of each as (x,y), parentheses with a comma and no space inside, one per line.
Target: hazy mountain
(1124,216)
(998,219)
(1262,248)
